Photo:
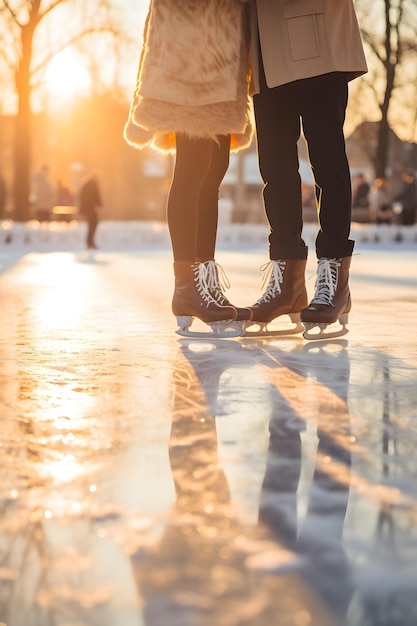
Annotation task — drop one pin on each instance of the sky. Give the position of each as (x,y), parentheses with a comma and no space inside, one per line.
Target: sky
(132,17)
(134,14)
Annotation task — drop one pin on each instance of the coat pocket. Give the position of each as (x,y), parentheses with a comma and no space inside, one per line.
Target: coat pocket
(301,19)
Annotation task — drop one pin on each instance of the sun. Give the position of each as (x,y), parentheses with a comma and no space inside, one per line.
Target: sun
(66,76)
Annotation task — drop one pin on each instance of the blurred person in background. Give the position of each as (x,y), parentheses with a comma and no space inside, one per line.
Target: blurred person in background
(64,195)
(64,208)
(407,198)
(380,206)
(3,195)
(43,194)
(89,203)
(361,189)
(191,98)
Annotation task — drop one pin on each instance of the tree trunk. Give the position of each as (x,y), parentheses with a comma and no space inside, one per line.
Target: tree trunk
(382,149)
(23,129)
(22,154)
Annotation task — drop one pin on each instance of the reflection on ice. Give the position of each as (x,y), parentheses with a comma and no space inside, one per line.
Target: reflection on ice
(208,557)
(147,481)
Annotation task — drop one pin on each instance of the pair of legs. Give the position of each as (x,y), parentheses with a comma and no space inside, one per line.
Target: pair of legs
(192,214)
(319,103)
(192,211)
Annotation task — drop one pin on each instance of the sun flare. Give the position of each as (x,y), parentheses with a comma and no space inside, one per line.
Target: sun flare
(66,76)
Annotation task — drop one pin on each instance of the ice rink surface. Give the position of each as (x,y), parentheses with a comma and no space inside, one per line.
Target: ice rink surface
(148,480)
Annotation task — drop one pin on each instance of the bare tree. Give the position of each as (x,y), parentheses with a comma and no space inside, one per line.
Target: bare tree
(20,23)
(388,30)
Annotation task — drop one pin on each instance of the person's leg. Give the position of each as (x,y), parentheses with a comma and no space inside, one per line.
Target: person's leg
(208,208)
(323,116)
(192,297)
(278,130)
(209,199)
(325,99)
(91,231)
(192,163)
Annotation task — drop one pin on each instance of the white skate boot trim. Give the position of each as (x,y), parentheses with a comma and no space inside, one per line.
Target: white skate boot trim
(222,329)
(200,279)
(273,277)
(325,289)
(263,329)
(216,280)
(326,281)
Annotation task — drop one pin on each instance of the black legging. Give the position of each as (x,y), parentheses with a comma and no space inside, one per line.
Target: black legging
(192,210)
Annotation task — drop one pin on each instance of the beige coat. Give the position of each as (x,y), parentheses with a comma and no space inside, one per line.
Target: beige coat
(305,38)
(193,74)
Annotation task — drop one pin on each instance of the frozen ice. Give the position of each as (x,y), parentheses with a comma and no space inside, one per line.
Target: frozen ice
(149,480)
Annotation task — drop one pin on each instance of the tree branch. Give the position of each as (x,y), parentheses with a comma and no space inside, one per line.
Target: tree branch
(70,42)
(48,9)
(369,39)
(12,14)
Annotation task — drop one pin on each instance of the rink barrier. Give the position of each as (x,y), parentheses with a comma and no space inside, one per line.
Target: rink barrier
(69,235)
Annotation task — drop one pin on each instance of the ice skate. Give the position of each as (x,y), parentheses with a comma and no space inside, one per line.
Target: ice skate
(218,330)
(217,283)
(285,295)
(331,302)
(192,299)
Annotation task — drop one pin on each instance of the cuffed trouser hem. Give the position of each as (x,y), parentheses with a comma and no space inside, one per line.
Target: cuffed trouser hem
(277,253)
(336,252)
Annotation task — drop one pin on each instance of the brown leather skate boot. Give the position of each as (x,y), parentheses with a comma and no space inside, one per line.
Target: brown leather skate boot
(285,294)
(331,301)
(217,282)
(192,298)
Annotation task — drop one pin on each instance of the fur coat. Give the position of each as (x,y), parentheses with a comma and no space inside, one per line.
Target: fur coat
(193,74)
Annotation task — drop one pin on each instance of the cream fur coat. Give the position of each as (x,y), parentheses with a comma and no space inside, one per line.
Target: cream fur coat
(193,74)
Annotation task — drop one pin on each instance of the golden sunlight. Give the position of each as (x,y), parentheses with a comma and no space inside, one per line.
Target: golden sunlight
(62,282)
(66,76)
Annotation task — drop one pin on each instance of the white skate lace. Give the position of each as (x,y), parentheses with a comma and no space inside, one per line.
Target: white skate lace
(201,281)
(273,277)
(326,282)
(217,281)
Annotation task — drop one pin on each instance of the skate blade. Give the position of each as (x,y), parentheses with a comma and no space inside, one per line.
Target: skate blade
(218,330)
(317,332)
(262,330)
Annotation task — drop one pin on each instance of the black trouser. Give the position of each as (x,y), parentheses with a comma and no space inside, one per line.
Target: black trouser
(192,211)
(318,103)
